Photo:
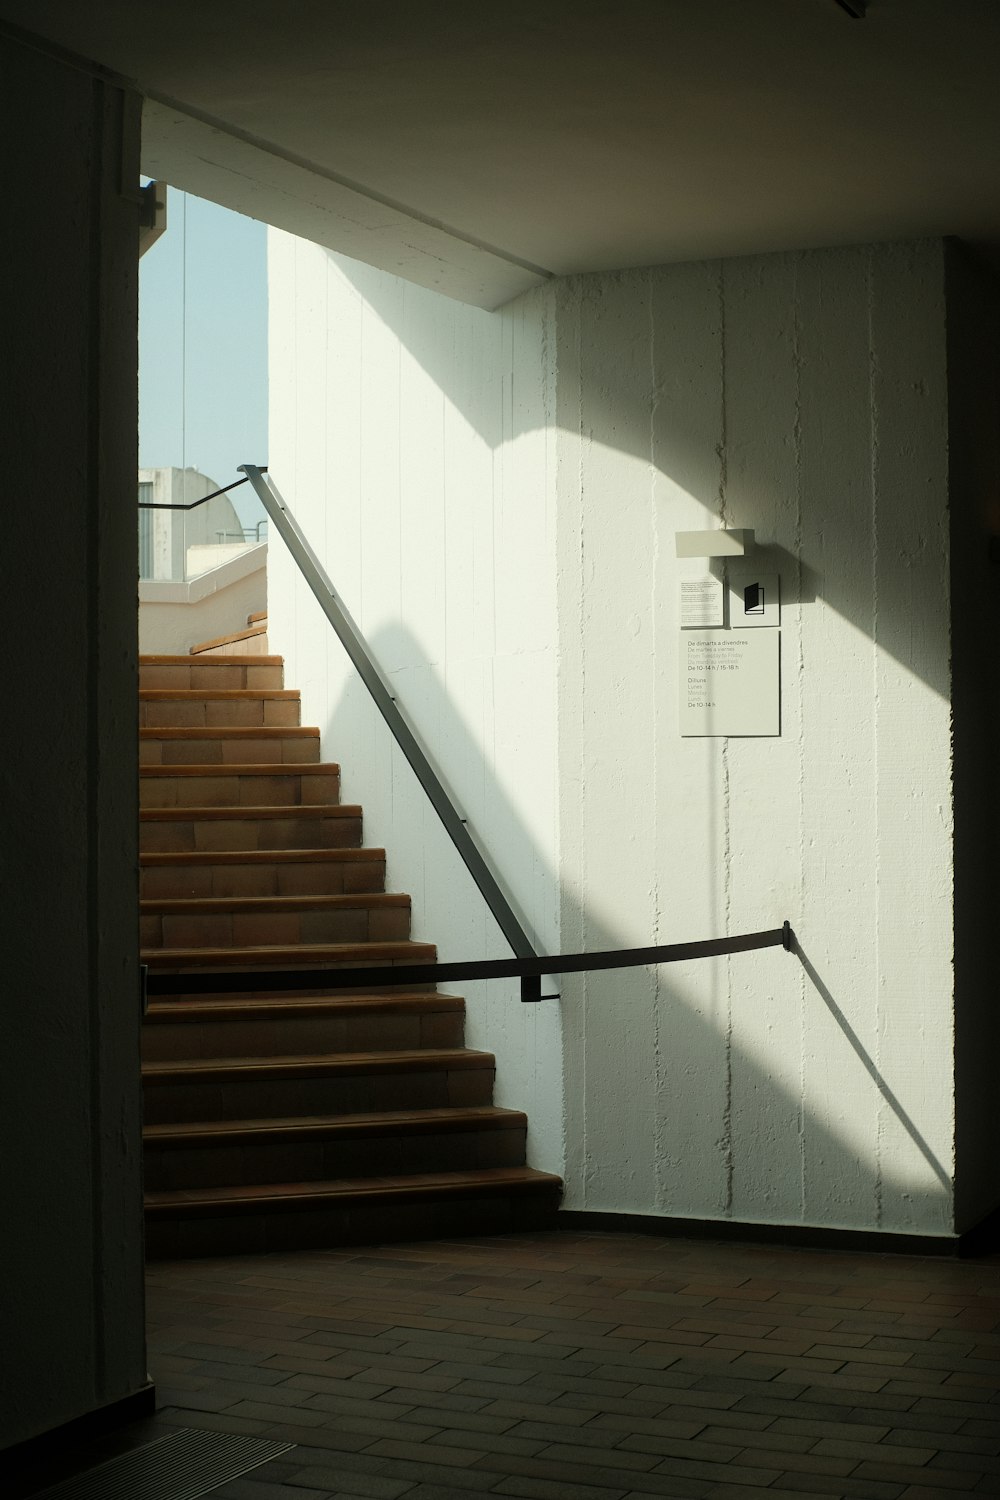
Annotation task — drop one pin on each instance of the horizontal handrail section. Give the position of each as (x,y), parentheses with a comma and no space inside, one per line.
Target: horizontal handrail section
(162,505)
(528,970)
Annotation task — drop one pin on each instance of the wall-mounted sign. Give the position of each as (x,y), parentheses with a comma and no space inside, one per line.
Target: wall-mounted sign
(730,683)
(701,602)
(753,599)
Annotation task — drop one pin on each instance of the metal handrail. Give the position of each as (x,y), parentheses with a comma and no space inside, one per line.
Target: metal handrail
(528,970)
(527,965)
(368,669)
(160,505)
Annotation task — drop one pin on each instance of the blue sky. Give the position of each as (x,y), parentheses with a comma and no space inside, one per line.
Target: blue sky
(203,343)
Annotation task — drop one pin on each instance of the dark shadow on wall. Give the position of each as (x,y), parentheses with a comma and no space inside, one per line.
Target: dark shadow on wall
(634,1004)
(836,356)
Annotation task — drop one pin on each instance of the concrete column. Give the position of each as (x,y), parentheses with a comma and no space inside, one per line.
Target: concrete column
(73,1337)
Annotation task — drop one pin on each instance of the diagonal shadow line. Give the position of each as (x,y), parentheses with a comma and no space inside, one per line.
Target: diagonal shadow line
(872,1071)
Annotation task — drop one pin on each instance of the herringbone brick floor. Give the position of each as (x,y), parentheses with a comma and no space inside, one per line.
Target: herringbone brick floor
(569,1366)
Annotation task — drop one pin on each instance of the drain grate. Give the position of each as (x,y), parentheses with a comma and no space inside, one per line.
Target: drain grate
(182,1465)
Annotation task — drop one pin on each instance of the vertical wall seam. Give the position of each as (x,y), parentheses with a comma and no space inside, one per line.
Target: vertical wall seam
(800,681)
(726,853)
(873,407)
(657,988)
(581,773)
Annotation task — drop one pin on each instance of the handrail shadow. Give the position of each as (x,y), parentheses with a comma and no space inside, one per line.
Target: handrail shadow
(870,1068)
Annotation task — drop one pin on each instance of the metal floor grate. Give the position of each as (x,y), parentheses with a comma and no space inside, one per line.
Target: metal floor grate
(179,1466)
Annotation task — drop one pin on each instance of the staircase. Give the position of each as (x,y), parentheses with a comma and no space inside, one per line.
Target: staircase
(282,1121)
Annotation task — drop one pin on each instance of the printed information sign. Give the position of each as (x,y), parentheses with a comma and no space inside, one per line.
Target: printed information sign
(730,682)
(701,602)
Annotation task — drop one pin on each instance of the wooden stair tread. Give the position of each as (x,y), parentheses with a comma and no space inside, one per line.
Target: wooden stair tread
(256,617)
(226,1008)
(246,768)
(217,695)
(259,856)
(260,1040)
(238,1069)
(209,905)
(269,1196)
(288,955)
(313,1127)
(229,732)
(289,810)
(213,661)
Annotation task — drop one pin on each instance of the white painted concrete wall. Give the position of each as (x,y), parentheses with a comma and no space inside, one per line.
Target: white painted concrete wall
(803,396)
(496,497)
(412,437)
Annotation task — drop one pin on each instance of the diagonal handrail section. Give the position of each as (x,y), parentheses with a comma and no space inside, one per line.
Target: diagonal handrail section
(371,675)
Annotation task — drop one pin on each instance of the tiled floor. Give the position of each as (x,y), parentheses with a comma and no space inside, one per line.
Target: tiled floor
(555,1366)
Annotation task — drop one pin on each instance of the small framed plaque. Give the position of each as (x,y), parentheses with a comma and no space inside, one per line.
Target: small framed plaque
(730,683)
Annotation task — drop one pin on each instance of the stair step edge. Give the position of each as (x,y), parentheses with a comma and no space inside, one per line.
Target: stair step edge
(265,810)
(303,955)
(184,1012)
(244,768)
(235,660)
(211,1133)
(229,732)
(179,857)
(230,1069)
(205,1202)
(176,906)
(218,695)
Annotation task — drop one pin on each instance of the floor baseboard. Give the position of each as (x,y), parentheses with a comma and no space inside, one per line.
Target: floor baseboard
(978,1241)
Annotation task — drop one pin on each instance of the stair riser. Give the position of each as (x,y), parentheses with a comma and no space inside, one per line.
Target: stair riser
(223,834)
(303,749)
(328,878)
(362,1224)
(259,1099)
(283,789)
(225,675)
(297,1036)
(249,929)
(314,1161)
(219,713)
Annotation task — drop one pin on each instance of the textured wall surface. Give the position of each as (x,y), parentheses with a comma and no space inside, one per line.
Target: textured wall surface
(72,1326)
(804,396)
(500,495)
(412,438)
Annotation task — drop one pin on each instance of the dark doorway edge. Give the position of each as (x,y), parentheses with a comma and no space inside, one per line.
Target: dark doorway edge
(80,1430)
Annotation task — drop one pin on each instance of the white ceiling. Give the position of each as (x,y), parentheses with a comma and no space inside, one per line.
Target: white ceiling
(477,149)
